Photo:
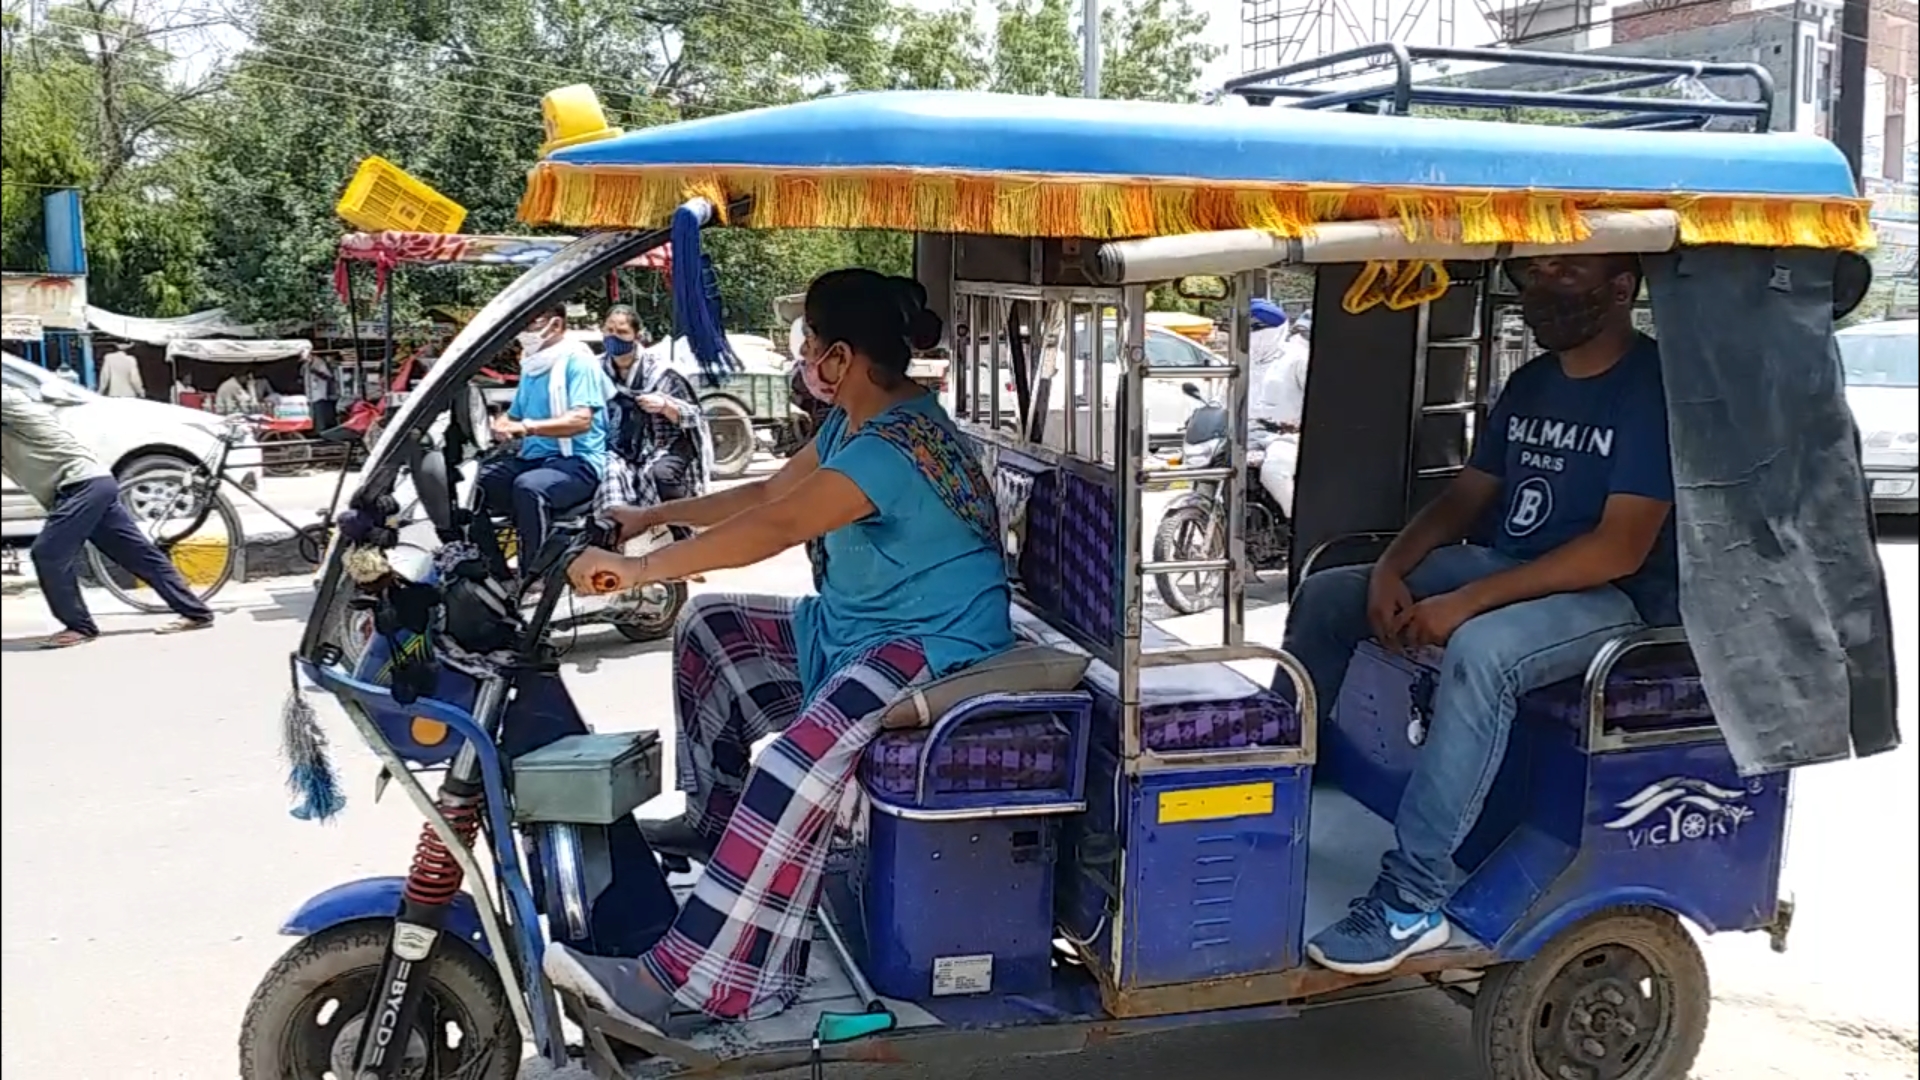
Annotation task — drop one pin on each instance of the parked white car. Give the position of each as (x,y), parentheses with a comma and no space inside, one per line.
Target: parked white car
(1882,362)
(129,435)
(1166,406)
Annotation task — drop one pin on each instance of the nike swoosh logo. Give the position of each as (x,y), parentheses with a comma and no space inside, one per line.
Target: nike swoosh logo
(1403,933)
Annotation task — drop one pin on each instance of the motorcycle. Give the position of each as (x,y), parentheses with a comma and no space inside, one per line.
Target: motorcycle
(1193,528)
(645,613)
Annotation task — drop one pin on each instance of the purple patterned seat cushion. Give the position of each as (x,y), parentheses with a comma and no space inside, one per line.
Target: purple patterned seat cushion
(1658,694)
(1262,719)
(1019,753)
(1184,707)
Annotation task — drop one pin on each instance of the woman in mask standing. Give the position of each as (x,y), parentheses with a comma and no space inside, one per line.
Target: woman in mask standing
(660,431)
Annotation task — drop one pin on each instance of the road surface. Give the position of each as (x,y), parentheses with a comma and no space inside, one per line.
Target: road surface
(149,860)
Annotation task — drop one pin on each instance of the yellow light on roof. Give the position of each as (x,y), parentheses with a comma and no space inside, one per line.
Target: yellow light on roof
(573,116)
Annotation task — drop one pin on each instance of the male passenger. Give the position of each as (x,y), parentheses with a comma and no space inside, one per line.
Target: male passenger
(1571,488)
(556,415)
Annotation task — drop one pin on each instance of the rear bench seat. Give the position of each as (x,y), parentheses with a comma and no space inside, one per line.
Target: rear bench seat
(1185,708)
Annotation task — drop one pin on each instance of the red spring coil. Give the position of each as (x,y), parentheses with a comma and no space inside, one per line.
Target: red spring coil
(435,876)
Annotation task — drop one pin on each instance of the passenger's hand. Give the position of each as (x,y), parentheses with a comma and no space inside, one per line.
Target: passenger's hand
(652,403)
(594,572)
(506,427)
(1388,601)
(634,520)
(1433,621)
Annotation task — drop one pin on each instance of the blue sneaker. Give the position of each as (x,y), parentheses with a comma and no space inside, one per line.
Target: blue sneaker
(1375,938)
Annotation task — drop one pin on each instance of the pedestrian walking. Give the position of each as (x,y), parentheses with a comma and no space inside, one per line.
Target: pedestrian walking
(120,374)
(82,501)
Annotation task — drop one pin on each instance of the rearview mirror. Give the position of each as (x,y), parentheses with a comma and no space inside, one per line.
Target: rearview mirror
(1192,390)
(1201,287)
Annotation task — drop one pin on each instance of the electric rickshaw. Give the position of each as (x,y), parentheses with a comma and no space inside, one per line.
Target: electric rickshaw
(1035,871)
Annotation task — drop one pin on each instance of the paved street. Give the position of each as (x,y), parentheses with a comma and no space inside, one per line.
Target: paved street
(149,859)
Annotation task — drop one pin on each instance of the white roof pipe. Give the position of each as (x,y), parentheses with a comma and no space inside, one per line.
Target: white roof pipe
(1165,258)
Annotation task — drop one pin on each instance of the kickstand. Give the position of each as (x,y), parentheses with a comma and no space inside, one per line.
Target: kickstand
(818,1070)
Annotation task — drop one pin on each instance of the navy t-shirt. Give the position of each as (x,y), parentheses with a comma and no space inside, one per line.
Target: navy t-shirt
(1562,446)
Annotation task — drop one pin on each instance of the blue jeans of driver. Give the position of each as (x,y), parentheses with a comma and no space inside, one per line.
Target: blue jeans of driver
(531,490)
(1491,660)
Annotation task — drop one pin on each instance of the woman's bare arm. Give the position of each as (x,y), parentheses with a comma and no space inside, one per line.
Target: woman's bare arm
(710,510)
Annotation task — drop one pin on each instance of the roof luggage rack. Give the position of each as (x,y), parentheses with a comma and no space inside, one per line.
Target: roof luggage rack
(1304,85)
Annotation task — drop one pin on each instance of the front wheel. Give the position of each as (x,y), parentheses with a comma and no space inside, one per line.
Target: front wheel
(1188,534)
(304,1021)
(657,614)
(184,515)
(1621,996)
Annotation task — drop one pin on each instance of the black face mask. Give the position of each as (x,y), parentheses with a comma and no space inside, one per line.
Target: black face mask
(1562,321)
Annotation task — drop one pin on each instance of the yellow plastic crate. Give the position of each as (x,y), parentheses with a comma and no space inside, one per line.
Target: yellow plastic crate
(383,198)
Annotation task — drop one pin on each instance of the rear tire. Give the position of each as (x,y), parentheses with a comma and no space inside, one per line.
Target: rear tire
(731,431)
(201,535)
(1186,533)
(1622,995)
(309,1002)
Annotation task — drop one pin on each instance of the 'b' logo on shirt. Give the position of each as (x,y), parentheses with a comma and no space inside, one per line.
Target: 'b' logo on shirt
(1531,506)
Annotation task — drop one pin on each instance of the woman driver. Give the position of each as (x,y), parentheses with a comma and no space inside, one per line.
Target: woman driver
(901,526)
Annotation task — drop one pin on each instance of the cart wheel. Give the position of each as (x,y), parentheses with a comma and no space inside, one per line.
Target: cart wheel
(732,433)
(282,453)
(1622,995)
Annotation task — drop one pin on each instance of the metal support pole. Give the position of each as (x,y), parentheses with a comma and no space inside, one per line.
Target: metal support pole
(1850,106)
(1090,48)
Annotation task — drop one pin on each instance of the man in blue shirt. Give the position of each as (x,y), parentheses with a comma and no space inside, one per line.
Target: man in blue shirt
(1571,487)
(556,414)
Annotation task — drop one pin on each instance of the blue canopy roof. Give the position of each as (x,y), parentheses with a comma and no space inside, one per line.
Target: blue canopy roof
(996,134)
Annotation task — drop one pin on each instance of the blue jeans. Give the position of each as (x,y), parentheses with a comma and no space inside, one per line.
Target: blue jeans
(1490,661)
(89,512)
(532,491)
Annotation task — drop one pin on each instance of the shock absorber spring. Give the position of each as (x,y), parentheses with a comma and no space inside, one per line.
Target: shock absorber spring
(435,875)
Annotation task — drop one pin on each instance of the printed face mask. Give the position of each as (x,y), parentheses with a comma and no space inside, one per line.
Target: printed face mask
(822,391)
(1562,320)
(616,346)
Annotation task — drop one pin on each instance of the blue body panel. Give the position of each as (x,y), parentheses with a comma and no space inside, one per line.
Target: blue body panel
(379,898)
(999,134)
(1565,832)
(1219,898)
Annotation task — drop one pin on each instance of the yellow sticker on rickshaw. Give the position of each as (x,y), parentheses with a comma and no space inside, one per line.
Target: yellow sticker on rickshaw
(1216,803)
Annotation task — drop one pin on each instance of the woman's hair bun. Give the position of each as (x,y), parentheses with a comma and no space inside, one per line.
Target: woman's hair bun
(923,326)
(923,329)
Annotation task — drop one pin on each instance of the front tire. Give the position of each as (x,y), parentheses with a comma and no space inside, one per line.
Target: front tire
(306,1013)
(658,623)
(1622,995)
(1188,533)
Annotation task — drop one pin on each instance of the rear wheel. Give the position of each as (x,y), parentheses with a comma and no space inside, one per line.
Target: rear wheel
(305,1019)
(184,515)
(1188,534)
(731,431)
(1621,996)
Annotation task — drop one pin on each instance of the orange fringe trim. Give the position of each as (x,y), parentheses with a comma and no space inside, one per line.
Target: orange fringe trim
(1105,209)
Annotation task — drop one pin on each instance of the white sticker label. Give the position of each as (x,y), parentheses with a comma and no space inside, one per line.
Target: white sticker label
(956,975)
(413,943)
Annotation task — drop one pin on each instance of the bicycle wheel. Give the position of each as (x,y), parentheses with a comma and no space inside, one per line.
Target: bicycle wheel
(190,522)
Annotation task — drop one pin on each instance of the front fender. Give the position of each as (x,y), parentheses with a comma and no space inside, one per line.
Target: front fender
(379,898)
(1203,500)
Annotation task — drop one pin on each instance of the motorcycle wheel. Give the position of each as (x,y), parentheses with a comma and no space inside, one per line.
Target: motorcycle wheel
(1187,533)
(657,624)
(305,1018)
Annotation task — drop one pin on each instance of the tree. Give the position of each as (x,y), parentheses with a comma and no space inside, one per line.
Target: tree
(92,103)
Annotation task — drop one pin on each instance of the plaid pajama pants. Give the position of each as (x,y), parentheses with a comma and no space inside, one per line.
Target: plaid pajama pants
(735,952)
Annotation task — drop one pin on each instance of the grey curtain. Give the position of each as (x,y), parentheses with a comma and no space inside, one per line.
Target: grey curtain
(1781,588)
